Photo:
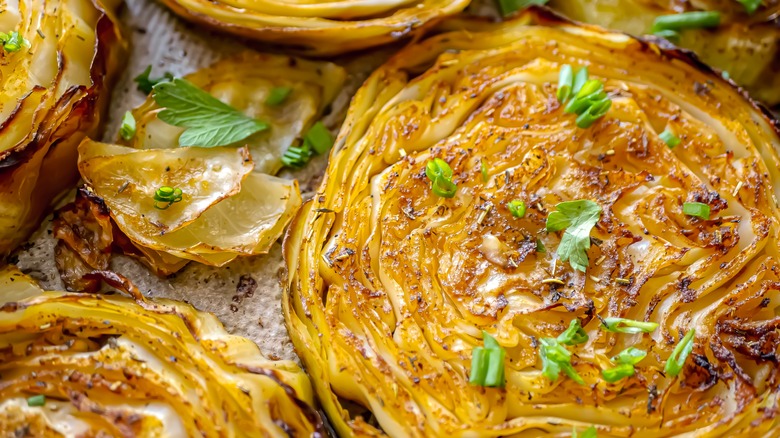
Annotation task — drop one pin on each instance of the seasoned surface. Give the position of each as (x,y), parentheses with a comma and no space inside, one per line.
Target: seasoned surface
(390,285)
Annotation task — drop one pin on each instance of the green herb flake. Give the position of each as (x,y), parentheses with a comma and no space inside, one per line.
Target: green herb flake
(681,352)
(508,7)
(36,400)
(13,41)
(146,84)
(278,95)
(319,138)
(623,325)
(697,209)
(127,130)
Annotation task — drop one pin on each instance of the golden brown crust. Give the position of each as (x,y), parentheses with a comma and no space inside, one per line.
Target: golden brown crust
(390,286)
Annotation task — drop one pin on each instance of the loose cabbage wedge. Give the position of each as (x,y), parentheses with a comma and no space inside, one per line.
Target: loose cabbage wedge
(54,91)
(747,46)
(318,27)
(110,366)
(391,286)
(244,82)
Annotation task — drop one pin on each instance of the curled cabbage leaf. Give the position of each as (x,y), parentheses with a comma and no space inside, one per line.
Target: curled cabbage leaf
(318,27)
(391,286)
(110,366)
(53,94)
(747,46)
(244,82)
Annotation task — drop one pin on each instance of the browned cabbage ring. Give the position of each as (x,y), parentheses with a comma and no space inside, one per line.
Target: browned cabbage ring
(390,286)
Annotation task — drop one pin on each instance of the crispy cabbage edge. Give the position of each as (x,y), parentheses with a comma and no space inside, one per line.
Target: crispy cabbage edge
(36,171)
(108,364)
(354,322)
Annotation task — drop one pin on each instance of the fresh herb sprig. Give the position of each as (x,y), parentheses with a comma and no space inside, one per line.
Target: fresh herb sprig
(208,121)
(146,83)
(556,358)
(13,41)
(586,97)
(578,219)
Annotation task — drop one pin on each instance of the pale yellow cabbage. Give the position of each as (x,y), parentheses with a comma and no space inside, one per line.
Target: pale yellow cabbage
(391,286)
(109,366)
(318,27)
(746,46)
(52,94)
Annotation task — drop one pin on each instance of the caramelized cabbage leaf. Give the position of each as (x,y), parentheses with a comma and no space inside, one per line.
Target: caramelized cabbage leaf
(747,46)
(53,94)
(110,366)
(391,286)
(318,27)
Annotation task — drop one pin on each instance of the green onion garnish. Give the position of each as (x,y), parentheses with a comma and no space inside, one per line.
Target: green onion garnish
(278,95)
(484,170)
(630,355)
(166,196)
(622,325)
(517,208)
(565,82)
(579,80)
(590,432)
(487,363)
(296,156)
(440,174)
(671,35)
(675,362)
(697,209)
(319,138)
(751,6)
(669,138)
(593,113)
(36,400)
(619,372)
(127,130)
(509,6)
(556,358)
(686,20)
(540,246)
(574,335)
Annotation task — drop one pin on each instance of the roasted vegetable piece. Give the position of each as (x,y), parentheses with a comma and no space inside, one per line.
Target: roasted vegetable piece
(745,45)
(55,88)
(318,27)
(104,365)
(390,285)
(245,82)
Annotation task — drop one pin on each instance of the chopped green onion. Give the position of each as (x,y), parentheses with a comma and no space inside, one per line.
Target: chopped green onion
(509,6)
(278,95)
(444,188)
(487,363)
(166,196)
(579,80)
(590,432)
(438,168)
(540,246)
(676,361)
(686,20)
(440,174)
(127,130)
(593,113)
(619,372)
(669,138)
(297,156)
(670,35)
(630,356)
(565,82)
(36,400)
(556,358)
(484,170)
(697,209)
(319,138)
(622,325)
(517,208)
(573,335)
(13,41)
(751,6)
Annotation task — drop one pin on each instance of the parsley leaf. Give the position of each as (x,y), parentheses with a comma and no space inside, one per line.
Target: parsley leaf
(208,121)
(578,218)
(145,83)
(509,6)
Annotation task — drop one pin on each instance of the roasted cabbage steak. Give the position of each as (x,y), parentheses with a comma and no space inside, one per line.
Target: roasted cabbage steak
(55,83)
(318,27)
(469,213)
(744,45)
(106,365)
